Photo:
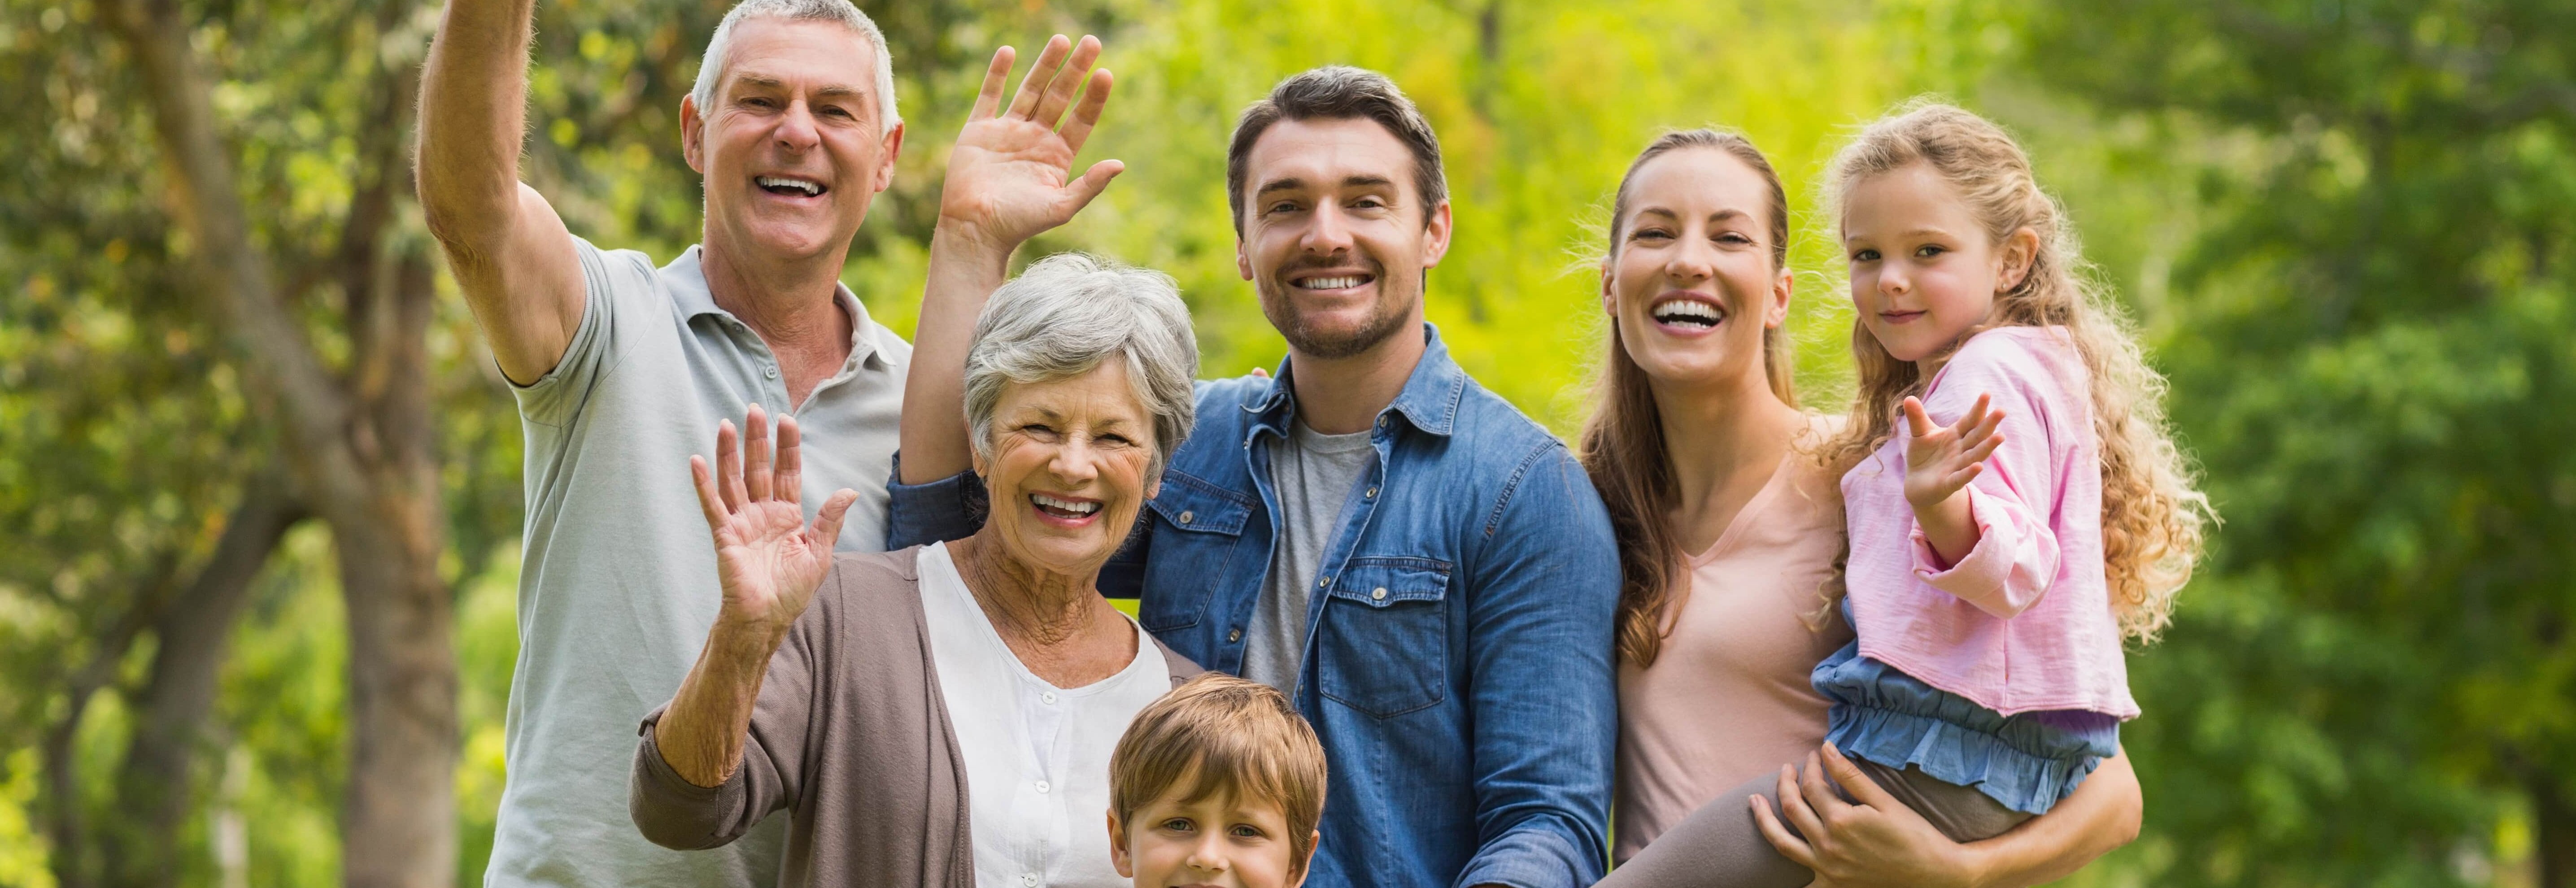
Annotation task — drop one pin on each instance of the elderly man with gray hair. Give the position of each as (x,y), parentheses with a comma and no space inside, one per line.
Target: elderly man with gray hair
(622,371)
(943,715)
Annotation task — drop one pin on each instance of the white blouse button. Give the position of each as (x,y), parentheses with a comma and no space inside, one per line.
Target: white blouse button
(1047,698)
(1042,786)
(1028,879)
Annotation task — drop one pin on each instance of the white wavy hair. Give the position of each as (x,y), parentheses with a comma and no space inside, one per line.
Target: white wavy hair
(1065,315)
(720,47)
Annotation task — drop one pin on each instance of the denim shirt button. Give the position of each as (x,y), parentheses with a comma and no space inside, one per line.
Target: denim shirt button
(1236,635)
(1327,582)
(1371,494)
(1186,516)
(1379,593)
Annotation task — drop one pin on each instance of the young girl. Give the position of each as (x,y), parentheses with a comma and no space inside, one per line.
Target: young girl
(2031,513)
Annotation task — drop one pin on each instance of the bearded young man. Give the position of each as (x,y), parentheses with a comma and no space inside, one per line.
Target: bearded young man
(623,371)
(1425,571)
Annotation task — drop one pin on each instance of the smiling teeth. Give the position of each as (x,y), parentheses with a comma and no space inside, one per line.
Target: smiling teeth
(1330,283)
(810,188)
(1689,310)
(1064,505)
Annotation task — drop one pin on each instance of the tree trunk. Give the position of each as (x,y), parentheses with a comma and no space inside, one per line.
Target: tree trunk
(194,632)
(398,822)
(360,448)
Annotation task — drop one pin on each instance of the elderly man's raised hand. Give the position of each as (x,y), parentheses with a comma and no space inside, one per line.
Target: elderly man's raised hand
(1010,174)
(769,559)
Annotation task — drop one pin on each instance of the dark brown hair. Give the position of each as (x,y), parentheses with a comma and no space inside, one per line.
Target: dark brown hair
(1623,443)
(1338,92)
(1218,733)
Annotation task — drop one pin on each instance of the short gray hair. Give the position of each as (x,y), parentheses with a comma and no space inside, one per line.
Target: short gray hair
(1066,314)
(720,47)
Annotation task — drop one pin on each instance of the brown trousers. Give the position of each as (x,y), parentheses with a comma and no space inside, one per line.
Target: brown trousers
(1719,846)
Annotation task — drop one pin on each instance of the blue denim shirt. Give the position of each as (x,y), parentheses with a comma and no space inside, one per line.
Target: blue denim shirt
(1458,653)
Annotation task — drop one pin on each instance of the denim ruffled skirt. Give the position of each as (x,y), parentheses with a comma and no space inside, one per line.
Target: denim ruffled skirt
(2027,762)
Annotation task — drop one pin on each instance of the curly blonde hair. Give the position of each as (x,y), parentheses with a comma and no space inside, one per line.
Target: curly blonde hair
(2153,517)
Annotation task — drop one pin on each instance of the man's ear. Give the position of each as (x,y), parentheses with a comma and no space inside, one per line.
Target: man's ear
(2020,250)
(1242,257)
(1435,234)
(893,150)
(693,134)
(1118,856)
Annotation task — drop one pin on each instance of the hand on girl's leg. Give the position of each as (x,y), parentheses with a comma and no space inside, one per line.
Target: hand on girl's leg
(1871,839)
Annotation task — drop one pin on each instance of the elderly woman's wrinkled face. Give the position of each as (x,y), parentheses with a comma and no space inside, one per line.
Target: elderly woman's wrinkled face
(1069,468)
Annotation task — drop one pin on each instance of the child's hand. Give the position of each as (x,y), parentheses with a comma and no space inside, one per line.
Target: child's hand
(1939,460)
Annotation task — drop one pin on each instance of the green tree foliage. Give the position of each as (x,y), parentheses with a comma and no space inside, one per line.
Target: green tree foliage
(2373,350)
(2343,220)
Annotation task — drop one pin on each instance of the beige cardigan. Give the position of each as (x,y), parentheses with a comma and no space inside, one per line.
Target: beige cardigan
(851,734)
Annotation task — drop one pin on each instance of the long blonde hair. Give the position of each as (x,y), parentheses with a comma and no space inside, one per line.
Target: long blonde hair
(1623,443)
(2153,518)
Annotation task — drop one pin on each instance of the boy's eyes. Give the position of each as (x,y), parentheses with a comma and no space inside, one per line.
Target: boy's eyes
(1928,251)
(1246,831)
(1865,256)
(1179,824)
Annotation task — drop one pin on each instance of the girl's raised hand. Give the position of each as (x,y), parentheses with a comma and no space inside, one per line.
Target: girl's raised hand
(1939,460)
(769,560)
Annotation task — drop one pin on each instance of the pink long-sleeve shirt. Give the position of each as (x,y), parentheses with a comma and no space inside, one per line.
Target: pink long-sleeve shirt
(2024,622)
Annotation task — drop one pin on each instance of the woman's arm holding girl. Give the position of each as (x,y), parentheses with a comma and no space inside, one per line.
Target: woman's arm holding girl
(1877,841)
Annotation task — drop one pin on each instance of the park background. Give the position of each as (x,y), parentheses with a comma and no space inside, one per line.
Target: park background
(259,483)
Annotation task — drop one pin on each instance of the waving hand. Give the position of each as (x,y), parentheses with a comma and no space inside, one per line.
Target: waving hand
(769,559)
(1010,175)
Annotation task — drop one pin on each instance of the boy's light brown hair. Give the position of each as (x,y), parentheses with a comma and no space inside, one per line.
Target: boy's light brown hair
(1218,733)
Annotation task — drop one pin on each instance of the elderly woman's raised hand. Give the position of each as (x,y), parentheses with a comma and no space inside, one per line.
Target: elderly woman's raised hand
(769,559)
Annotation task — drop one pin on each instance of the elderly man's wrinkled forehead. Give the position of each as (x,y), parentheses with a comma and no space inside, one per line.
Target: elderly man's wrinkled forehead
(819,60)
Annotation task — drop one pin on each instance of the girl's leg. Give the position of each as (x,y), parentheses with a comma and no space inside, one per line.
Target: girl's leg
(1960,812)
(1719,846)
(1716,847)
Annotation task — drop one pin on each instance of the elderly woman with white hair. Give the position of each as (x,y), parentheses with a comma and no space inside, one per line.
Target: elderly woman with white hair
(943,715)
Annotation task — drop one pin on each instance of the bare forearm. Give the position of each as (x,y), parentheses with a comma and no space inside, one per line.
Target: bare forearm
(1950,526)
(701,734)
(964,272)
(2101,816)
(472,116)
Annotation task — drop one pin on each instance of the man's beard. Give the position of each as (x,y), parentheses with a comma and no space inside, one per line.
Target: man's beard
(1279,305)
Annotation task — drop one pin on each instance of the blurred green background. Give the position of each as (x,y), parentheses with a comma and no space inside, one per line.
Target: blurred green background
(2343,225)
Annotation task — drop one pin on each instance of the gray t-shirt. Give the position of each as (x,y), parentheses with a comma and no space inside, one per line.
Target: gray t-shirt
(617,582)
(1314,474)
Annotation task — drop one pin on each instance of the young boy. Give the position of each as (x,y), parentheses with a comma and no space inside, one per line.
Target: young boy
(1219,783)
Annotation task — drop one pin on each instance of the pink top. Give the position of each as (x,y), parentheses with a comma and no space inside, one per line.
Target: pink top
(2024,622)
(1728,699)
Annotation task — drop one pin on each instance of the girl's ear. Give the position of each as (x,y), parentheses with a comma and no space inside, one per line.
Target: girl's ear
(2020,250)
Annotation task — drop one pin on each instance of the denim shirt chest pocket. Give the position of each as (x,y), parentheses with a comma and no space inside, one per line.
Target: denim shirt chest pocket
(1383,644)
(1197,543)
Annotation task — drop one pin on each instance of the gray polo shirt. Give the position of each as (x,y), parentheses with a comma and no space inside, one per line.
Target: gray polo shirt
(617,579)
